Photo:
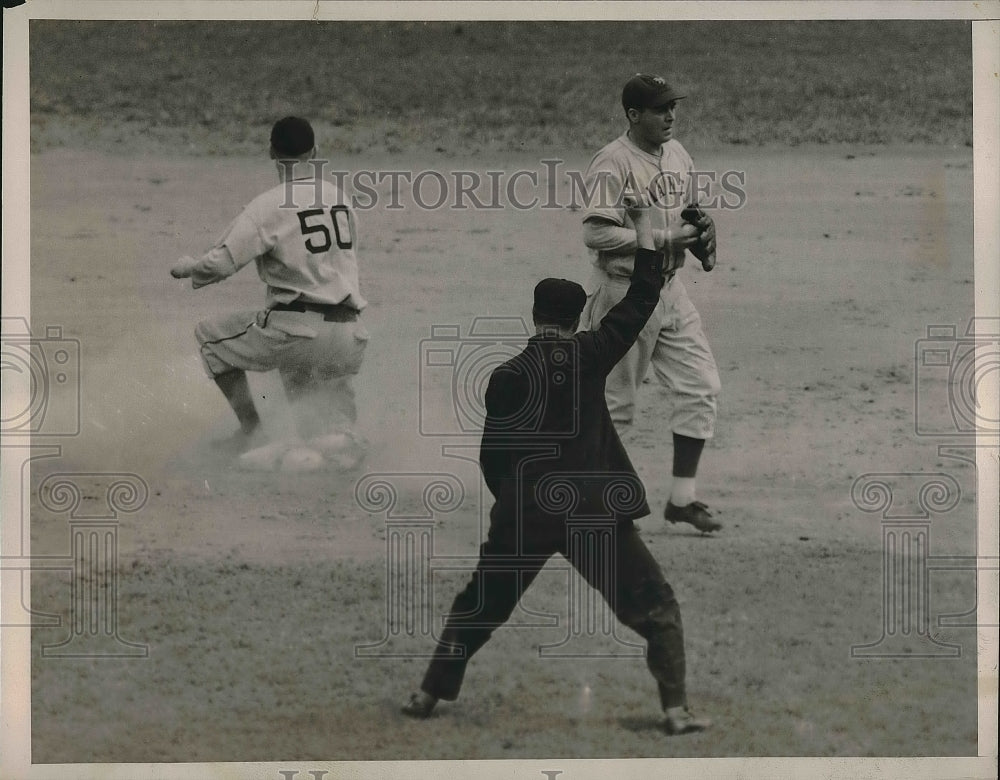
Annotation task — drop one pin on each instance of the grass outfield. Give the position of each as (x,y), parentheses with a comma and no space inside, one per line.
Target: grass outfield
(458,87)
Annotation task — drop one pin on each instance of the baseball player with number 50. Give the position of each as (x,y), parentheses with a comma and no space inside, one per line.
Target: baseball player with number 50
(301,236)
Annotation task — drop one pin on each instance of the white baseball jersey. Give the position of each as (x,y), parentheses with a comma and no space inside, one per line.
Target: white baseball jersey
(301,235)
(666,177)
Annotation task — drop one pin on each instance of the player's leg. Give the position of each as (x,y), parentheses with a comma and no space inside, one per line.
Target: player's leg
(343,357)
(230,346)
(317,374)
(485,604)
(683,362)
(687,456)
(298,381)
(643,600)
(236,389)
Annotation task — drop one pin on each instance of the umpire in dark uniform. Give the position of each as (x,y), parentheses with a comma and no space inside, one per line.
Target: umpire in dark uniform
(549,448)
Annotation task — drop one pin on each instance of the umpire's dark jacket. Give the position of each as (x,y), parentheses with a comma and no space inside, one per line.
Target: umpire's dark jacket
(549,449)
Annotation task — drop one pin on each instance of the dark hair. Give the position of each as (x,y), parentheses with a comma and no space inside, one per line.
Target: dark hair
(292,137)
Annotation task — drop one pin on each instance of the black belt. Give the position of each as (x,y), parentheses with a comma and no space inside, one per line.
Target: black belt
(332,312)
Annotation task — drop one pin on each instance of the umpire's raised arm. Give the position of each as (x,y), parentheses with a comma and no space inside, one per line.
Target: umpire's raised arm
(622,324)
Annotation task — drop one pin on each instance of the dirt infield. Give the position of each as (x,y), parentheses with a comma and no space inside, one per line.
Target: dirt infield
(252,592)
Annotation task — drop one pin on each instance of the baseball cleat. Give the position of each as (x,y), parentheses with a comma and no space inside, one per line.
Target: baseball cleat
(679,720)
(695,513)
(419,706)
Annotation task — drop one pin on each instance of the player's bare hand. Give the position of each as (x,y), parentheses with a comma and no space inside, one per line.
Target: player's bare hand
(182,268)
(680,236)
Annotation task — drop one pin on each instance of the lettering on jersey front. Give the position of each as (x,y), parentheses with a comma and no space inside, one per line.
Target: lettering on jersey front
(666,190)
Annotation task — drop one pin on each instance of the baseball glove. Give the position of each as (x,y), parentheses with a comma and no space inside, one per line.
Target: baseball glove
(704,247)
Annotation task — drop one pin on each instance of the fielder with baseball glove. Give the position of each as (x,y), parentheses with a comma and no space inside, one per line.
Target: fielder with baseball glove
(646,158)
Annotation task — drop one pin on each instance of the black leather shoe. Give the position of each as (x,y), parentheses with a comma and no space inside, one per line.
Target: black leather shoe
(695,513)
(420,705)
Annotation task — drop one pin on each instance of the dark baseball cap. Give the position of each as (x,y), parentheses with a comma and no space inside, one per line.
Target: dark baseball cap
(292,137)
(558,300)
(645,91)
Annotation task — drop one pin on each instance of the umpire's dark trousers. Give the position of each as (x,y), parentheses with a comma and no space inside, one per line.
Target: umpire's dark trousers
(638,593)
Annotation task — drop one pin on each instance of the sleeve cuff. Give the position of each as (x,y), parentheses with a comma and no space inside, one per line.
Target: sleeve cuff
(648,260)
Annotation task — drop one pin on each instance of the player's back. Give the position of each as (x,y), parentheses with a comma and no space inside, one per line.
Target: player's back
(308,231)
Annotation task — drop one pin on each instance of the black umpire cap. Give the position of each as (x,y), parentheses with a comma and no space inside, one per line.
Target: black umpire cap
(558,301)
(292,137)
(645,91)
